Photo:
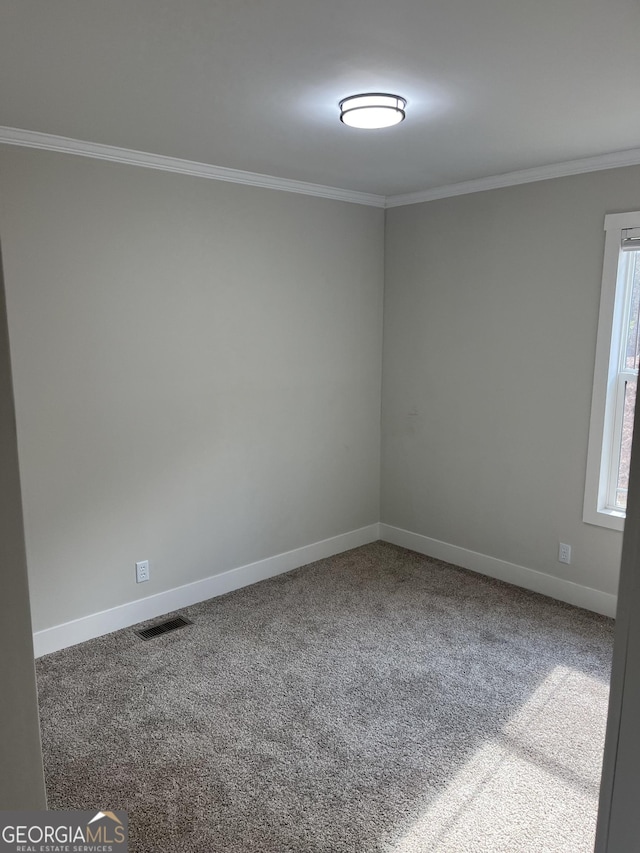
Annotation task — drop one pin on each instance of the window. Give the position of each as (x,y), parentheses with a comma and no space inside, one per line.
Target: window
(616,374)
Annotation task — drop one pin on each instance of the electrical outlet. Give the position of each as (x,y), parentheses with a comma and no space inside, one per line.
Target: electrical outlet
(142,571)
(564,553)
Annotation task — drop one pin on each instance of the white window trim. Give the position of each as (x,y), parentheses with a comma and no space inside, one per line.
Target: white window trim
(605,406)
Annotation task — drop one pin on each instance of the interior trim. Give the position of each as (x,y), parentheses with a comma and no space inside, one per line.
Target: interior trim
(531,579)
(96,624)
(66,145)
(615,160)
(125,615)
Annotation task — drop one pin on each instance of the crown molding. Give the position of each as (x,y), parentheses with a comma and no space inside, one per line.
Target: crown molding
(525,176)
(65,145)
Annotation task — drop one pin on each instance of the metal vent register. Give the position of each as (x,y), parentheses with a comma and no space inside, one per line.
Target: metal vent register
(163,628)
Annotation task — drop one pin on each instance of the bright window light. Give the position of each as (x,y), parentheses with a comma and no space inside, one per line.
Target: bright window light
(615,375)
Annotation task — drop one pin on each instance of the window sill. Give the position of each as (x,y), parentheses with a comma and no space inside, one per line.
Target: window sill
(613,519)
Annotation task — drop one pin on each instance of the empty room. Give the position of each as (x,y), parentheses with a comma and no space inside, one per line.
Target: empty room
(319,347)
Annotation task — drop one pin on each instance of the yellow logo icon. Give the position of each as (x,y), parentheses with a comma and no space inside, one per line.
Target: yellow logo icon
(100,815)
(103,833)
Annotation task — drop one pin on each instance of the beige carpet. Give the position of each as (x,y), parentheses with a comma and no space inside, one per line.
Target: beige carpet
(374,702)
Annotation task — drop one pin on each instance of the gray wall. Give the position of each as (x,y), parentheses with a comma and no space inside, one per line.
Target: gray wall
(197,372)
(196,369)
(21,779)
(491,311)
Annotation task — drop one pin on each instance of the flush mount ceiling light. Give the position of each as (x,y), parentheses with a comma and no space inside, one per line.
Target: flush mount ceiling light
(372,110)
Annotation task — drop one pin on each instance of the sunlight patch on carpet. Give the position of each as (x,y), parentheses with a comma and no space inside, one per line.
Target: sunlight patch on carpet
(548,746)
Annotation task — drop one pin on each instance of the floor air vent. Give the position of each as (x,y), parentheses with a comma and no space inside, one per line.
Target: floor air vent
(163,628)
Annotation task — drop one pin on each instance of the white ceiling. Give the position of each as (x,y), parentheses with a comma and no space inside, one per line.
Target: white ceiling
(492,86)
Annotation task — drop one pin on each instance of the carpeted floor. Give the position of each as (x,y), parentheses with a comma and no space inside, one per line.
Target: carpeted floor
(375,701)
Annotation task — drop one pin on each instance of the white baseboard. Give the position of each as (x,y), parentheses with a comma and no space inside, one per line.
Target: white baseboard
(125,615)
(96,624)
(563,590)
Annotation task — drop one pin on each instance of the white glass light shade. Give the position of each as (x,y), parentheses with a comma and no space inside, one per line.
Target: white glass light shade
(372,110)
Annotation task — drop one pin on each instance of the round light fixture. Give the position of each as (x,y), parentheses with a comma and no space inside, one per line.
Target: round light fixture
(372,110)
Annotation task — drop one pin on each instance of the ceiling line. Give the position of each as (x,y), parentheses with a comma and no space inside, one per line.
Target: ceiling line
(615,160)
(67,145)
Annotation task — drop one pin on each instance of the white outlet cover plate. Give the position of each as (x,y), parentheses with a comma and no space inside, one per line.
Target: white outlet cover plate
(564,553)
